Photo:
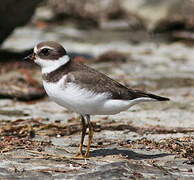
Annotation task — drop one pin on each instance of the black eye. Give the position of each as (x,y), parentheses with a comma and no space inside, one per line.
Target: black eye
(45,51)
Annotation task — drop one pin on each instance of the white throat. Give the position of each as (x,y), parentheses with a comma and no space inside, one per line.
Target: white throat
(48,66)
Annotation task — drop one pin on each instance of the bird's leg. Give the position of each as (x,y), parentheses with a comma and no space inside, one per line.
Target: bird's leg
(84,127)
(90,135)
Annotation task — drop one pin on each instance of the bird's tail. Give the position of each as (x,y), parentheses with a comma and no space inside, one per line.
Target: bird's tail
(159,98)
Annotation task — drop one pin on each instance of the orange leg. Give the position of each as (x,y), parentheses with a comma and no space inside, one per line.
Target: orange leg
(84,127)
(90,136)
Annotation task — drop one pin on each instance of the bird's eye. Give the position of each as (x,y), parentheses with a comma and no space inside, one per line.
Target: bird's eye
(45,51)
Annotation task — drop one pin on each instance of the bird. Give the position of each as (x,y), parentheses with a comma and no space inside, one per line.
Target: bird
(82,89)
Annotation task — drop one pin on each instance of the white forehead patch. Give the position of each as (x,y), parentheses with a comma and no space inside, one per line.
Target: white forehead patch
(35,50)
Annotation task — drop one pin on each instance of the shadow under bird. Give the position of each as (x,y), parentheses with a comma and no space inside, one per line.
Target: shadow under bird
(82,89)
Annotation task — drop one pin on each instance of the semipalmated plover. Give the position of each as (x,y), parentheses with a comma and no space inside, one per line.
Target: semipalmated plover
(82,89)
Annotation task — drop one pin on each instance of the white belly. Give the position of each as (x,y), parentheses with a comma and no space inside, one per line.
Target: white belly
(74,98)
(83,101)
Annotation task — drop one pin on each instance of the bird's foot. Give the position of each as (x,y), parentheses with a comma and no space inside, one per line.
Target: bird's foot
(81,156)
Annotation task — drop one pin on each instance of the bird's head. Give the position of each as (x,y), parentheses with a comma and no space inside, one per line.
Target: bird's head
(49,55)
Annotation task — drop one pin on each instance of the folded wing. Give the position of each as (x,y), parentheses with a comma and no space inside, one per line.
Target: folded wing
(100,83)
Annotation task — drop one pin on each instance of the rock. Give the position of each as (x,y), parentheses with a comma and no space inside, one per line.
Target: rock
(14,13)
(87,12)
(15,174)
(113,56)
(20,81)
(155,12)
(144,15)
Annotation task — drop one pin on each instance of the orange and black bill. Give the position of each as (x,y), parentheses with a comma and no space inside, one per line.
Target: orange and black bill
(30,57)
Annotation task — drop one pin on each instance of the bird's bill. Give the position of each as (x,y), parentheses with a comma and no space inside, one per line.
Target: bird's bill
(30,57)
